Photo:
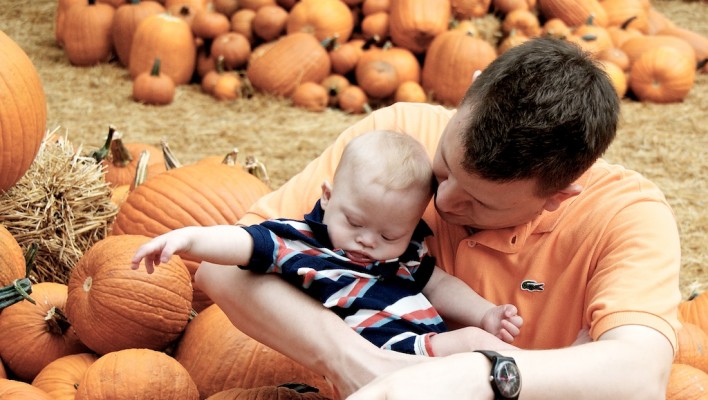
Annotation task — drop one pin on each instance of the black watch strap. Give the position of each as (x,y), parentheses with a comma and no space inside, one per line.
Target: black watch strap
(503,368)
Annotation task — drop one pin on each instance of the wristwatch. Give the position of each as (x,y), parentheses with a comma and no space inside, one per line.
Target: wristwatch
(504,377)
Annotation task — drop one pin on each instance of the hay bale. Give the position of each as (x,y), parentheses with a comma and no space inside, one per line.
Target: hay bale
(62,204)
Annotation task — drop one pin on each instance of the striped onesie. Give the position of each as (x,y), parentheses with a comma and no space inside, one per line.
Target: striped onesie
(382,301)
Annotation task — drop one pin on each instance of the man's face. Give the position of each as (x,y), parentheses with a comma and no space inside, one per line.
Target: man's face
(467,199)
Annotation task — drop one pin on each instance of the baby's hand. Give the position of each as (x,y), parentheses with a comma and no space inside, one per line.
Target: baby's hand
(159,250)
(503,322)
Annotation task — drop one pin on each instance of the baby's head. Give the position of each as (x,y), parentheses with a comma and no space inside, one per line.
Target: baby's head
(381,187)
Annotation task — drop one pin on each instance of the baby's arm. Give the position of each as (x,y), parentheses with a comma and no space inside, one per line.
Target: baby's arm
(456,301)
(220,244)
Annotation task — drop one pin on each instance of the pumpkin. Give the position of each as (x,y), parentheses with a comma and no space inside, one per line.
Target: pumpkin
(696,40)
(269,22)
(233,47)
(12,260)
(597,37)
(193,5)
(242,22)
(120,159)
(657,21)
(375,24)
(16,390)
(136,374)
(662,75)
(381,70)
(686,383)
(291,60)
(311,96)
(513,39)
(171,40)
(692,347)
(506,6)
(352,99)
(154,87)
(574,12)
(170,200)
(334,83)
(33,335)
(226,7)
(616,56)
(344,57)
(24,115)
(208,23)
(242,361)
(227,86)
(87,33)
(411,92)
(620,11)
(450,62)
(556,27)
(254,4)
(59,17)
(113,307)
(617,76)
(415,23)
(694,310)
(522,21)
(466,9)
(126,21)
(60,378)
(321,18)
(373,6)
(635,46)
(291,391)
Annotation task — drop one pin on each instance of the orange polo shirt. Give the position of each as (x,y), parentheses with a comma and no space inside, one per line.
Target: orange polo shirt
(606,258)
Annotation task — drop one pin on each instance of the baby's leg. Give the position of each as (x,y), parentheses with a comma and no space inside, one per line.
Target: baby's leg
(464,340)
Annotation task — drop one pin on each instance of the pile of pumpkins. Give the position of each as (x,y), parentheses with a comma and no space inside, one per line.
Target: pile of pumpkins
(359,54)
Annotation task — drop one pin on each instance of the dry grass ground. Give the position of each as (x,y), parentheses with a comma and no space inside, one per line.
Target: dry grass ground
(667,143)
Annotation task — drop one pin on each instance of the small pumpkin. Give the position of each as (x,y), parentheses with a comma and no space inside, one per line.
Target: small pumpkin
(334,83)
(411,92)
(269,22)
(311,96)
(523,21)
(153,87)
(61,377)
(617,76)
(33,335)
(136,374)
(113,307)
(375,24)
(16,390)
(242,22)
(209,23)
(686,383)
(574,12)
(352,99)
(24,112)
(344,57)
(234,47)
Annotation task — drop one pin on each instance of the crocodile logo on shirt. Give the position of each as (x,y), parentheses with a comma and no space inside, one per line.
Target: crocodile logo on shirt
(532,286)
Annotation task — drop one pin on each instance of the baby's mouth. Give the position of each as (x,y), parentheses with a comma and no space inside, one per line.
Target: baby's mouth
(358,257)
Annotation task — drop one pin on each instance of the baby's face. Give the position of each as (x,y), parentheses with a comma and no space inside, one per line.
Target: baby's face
(372,224)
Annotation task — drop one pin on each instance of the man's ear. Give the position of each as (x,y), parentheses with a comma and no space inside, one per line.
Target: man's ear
(326,194)
(553,202)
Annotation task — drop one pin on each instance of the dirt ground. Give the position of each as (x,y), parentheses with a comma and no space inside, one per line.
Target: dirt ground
(667,143)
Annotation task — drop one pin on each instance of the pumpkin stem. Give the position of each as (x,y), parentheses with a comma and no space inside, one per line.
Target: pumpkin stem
(171,162)
(374,40)
(15,292)
(330,43)
(231,157)
(589,37)
(57,323)
(155,67)
(590,20)
(257,169)
(100,154)
(626,23)
(134,1)
(91,2)
(300,387)
(120,154)
(141,169)
(702,63)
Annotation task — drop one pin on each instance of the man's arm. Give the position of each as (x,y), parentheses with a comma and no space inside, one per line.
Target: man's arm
(629,362)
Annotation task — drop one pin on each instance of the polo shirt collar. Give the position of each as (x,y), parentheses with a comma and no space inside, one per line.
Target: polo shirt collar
(319,230)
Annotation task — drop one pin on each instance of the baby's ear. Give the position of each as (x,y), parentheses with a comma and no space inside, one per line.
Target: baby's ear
(326,194)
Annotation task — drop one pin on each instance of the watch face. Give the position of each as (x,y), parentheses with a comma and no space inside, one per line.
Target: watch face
(508,379)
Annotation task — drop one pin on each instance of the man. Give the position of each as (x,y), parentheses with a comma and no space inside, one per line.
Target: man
(525,213)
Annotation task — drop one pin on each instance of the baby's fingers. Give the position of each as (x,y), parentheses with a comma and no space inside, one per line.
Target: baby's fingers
(507,326)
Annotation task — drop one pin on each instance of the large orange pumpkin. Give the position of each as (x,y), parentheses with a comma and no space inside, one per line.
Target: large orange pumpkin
(12,261)
(686,383)
(280,392)
(286,63)
(33,335)
(574,12)
(194,195)
(322,18)
(692,347)
(662,75)
(113,307)
(218,357)
(168,38)
(450,62)
(16,390)
(415,23)
(23,120)
(61,377)
(695,310)
(136,374)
